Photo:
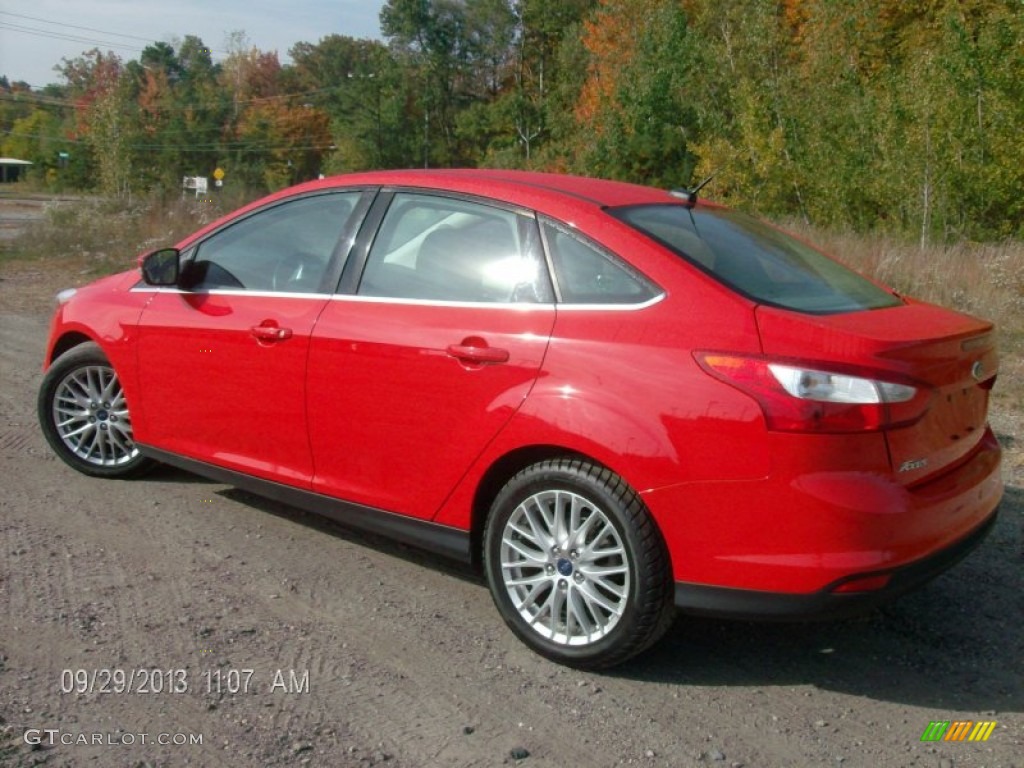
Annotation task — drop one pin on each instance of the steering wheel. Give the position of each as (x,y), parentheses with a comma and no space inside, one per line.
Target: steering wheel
(297,272)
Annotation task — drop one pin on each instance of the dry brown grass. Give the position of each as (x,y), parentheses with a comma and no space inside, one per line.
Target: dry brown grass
(984,279)
(108,235)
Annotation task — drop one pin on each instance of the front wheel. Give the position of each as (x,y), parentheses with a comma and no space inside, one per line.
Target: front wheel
(84,415)
(576,566)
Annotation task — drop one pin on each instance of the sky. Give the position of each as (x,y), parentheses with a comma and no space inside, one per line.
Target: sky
(33,33)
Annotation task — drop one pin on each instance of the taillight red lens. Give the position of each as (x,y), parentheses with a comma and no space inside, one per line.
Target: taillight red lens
(806,397)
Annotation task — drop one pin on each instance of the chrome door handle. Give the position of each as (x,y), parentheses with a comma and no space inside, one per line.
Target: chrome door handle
(271,332)
(474,354)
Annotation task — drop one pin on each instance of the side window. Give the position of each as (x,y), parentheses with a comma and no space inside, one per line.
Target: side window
(285,248)
(586,274)
(442,249)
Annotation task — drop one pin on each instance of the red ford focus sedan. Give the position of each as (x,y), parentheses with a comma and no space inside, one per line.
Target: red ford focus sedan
(616,400)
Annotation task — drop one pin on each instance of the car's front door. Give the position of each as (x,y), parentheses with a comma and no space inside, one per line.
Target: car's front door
(222,359)
(416,371)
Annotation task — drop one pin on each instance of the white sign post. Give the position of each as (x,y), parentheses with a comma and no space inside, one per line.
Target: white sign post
(199,183)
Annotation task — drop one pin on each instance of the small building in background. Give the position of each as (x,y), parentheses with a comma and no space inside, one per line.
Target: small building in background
(11,169)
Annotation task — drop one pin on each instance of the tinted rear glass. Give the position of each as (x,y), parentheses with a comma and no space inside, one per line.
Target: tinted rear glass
(756,259)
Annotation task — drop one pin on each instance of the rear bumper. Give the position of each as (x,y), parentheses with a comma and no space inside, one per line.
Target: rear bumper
(826,603)
(824,517)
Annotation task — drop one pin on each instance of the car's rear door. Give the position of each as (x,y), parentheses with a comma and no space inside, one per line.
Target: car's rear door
(222,359)
(423,356)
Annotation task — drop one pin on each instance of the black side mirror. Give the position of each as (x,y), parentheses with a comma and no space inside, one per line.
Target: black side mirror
(161,267)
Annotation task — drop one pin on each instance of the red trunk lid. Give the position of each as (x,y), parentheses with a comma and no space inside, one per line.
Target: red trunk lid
(951,353)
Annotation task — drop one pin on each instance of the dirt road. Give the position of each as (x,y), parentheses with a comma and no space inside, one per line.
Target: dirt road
(291,641)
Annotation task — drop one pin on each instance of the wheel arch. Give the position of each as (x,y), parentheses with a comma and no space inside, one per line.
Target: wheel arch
(503,469)
(68,340)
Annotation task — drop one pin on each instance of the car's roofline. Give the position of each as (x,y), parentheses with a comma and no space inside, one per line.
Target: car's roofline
(599,192)
(558,195)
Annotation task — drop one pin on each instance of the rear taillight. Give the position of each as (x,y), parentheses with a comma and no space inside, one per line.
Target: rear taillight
(798,397)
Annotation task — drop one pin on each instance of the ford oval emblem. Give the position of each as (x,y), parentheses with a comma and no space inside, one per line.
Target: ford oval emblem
(977,370)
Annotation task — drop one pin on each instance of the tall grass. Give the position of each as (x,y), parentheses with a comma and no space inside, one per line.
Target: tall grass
(984,279)
(109,234)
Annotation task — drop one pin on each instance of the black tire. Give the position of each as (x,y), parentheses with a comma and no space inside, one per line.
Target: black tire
(85,418)
(601,592)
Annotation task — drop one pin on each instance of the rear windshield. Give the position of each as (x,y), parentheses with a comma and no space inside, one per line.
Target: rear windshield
(756,259)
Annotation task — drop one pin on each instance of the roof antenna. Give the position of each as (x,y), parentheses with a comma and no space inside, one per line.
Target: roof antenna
(689,196)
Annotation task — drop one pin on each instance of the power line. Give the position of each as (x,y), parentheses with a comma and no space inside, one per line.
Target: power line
(61,36)
(75,26)
(91,29)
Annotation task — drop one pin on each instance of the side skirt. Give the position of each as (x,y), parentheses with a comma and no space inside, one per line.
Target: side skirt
(443,540)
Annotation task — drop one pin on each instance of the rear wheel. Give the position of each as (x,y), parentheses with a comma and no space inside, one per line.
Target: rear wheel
(576,566)
(85,417)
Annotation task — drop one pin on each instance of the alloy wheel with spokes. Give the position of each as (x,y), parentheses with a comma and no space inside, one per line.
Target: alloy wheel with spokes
(85,416)
(91,416)
(576,565)
(565,567)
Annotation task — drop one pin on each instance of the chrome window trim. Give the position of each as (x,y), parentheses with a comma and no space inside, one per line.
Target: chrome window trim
(522,305)
(142,288)
(614,307)
(232,292)
(501,304)
(412,302)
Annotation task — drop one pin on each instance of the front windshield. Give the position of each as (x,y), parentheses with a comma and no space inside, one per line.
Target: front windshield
(756,259)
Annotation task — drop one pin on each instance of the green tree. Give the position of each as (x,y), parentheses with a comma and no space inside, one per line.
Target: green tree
(36,138)
(110,137)
(289,141)
(426,33)
(633,119)
(365,90)
(103,119)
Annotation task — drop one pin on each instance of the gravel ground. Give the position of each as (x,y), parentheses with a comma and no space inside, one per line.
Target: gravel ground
(404,658)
